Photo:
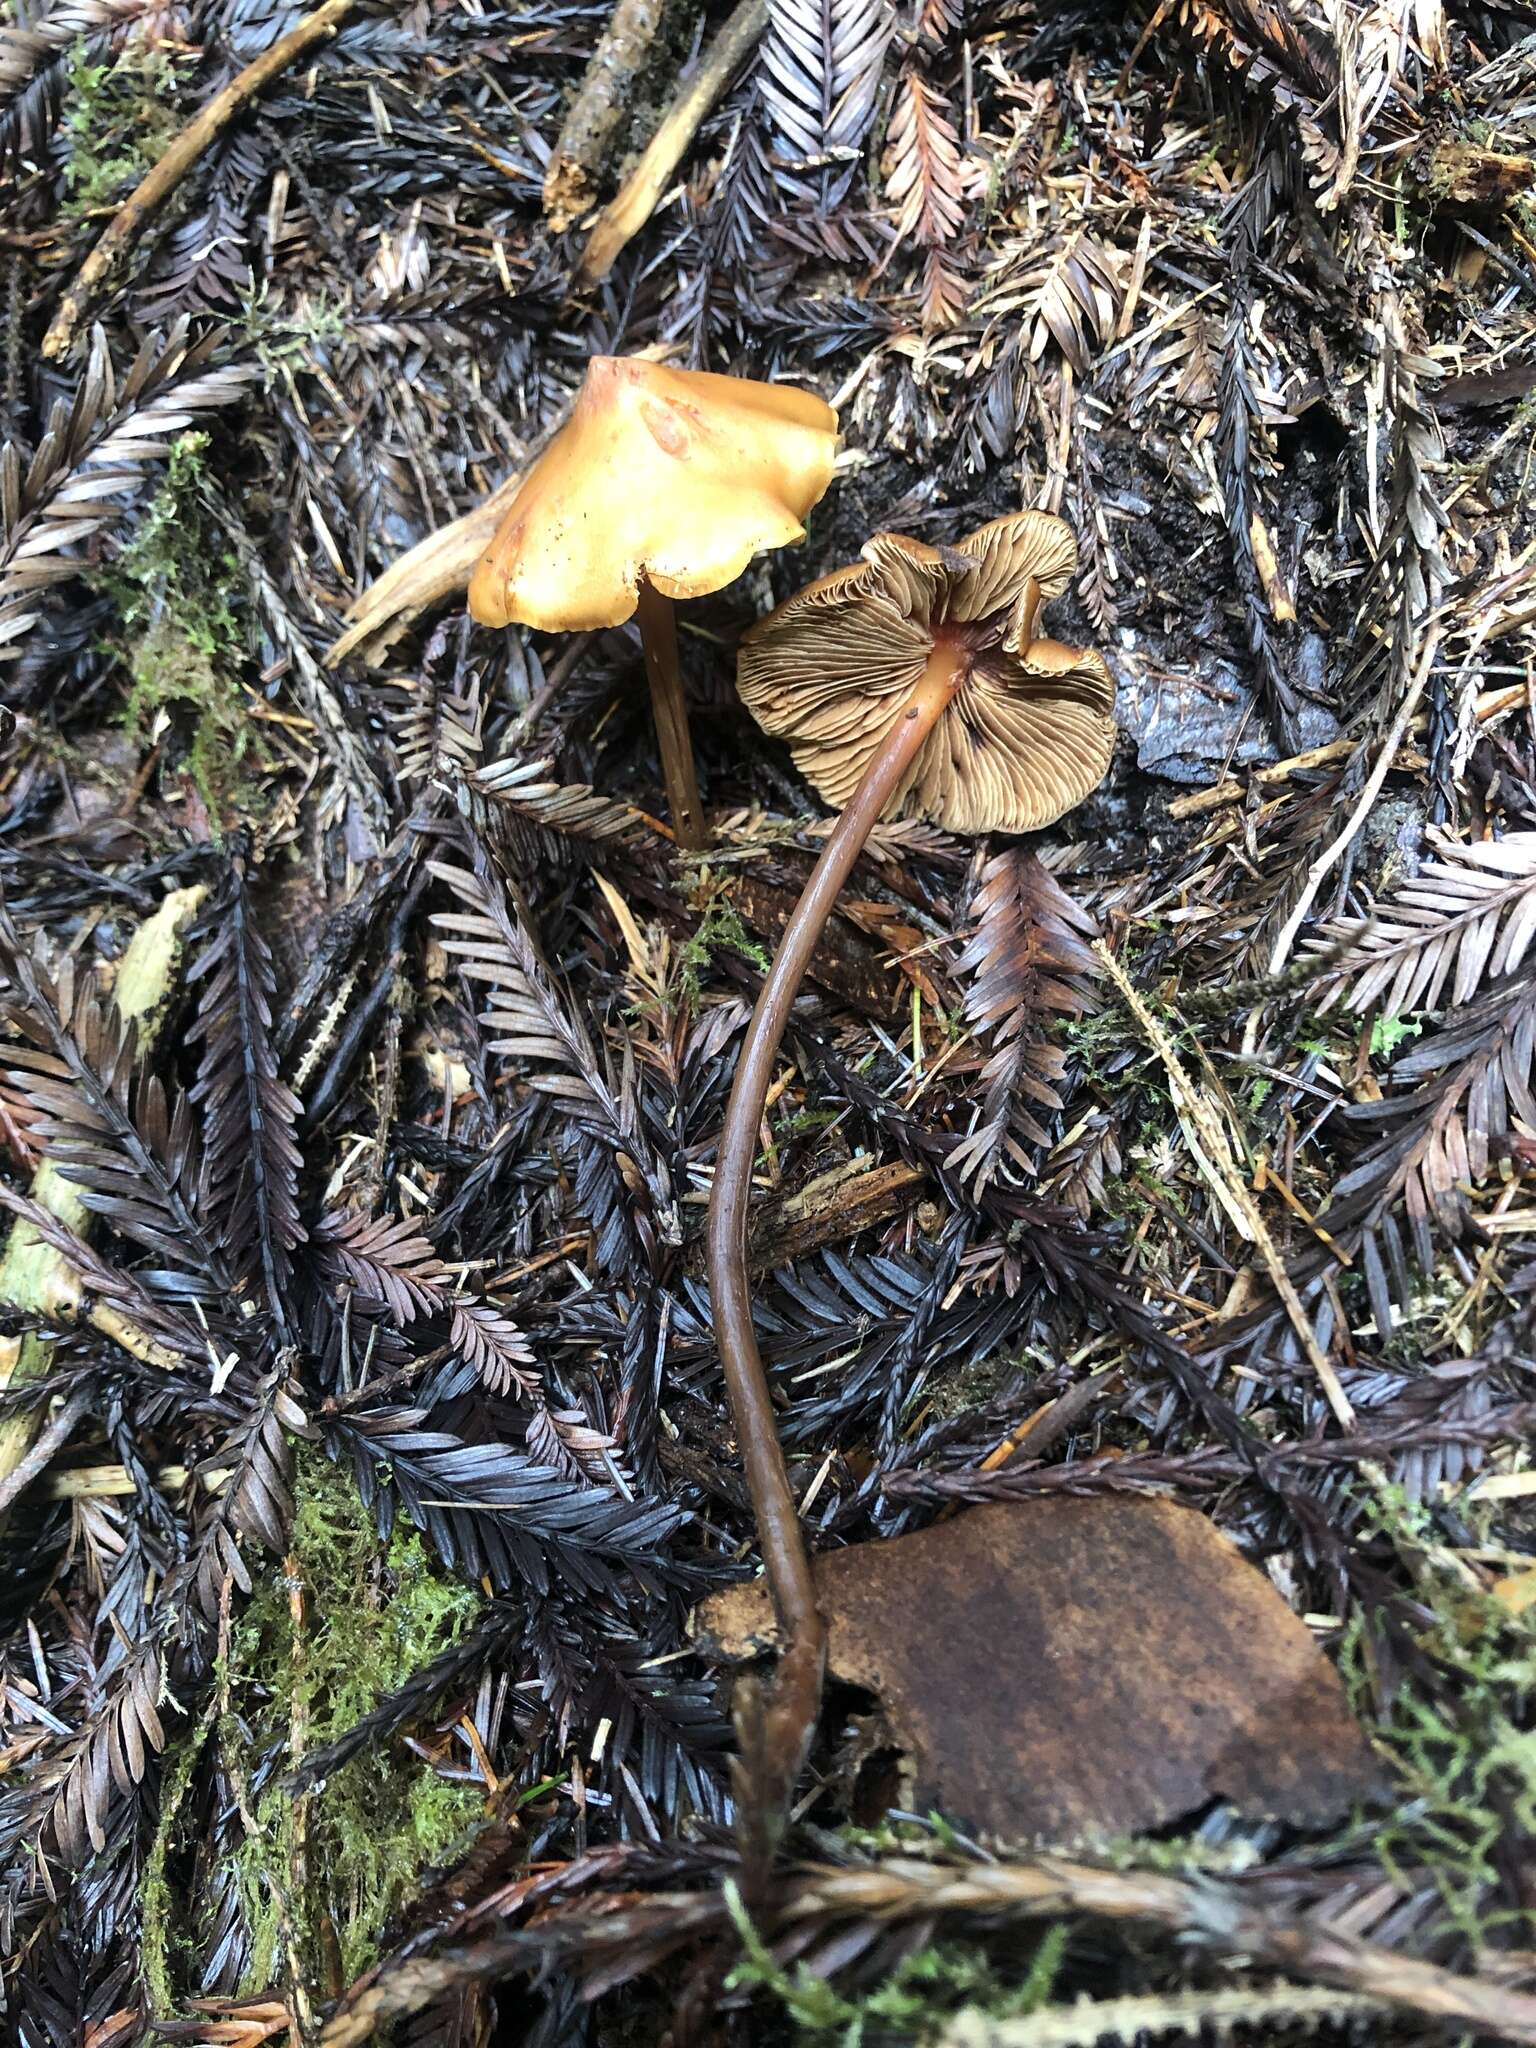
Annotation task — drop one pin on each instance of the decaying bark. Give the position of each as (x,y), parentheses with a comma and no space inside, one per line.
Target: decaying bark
(597,113)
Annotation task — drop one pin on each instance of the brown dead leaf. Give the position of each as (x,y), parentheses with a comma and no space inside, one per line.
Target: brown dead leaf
(1060,1670)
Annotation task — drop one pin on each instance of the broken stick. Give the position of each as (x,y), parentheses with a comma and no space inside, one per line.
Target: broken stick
(1232,789)
(831,1209)
(636,200)
(161,180)
(439,566)
(598,110)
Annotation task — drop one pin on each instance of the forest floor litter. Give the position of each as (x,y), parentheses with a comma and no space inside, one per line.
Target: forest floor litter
(1107,1610)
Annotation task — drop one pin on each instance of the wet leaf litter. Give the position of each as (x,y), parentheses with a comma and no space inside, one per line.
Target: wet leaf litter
(1022,801)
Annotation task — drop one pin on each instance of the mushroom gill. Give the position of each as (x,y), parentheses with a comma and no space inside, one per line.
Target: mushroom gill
(1028,730)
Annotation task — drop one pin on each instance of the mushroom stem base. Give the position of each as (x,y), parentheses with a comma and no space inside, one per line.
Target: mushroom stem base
(658,638)
(791,1711)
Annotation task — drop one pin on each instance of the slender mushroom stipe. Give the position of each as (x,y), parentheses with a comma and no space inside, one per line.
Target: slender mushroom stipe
(662,485)
(912,681)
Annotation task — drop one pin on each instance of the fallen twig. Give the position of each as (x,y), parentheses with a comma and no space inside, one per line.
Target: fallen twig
(439,566)
(1208,1916)
(596,113)
(1232,789)
(1197,1470)
(831,1209)
(161,180)
(55,1435)
(618,1935)
(627,213)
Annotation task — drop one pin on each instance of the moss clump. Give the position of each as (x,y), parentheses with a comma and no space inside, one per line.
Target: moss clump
(348,1856)
(118,118)
(1458,1733)
(182,644)
(719,927)
(340,1626)
(162,1936)
(913,2003)
(284,337)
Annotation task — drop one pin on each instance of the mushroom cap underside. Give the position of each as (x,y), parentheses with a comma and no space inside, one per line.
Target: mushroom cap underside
(1027,735)
(679,476)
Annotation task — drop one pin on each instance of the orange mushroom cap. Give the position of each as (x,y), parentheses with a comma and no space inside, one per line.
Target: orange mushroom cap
(679,476)
(1030,730)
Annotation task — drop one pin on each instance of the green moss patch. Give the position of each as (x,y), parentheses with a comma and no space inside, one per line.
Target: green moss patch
(182,644)
(119,118)
(914,2001)
(327,1635)
(1457,1731)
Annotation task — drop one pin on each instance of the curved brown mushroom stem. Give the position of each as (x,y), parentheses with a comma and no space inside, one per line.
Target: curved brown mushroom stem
(658,639)
(796,1697)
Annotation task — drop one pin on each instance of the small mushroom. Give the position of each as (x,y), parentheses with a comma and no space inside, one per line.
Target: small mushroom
(663,484)
(912,682)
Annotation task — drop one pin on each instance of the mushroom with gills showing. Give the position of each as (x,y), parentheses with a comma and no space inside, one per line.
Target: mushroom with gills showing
(912,683)
(663,484)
